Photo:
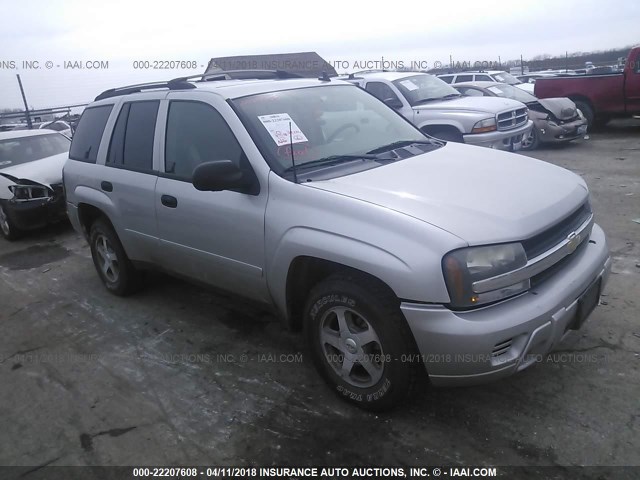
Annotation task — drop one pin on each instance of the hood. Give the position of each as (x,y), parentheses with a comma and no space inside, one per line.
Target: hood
(45,171)
(478,194)
(491,105)
(561,108)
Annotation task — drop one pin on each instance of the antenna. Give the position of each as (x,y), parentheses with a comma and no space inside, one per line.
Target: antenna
(293,158)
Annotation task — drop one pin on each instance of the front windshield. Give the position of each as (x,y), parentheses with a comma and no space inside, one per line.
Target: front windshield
(420,88)
(504,77)
(320,122)
(14,151)
(514,93)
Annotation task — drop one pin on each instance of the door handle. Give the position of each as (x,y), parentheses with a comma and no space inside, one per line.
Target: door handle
(107,186)
(169,201)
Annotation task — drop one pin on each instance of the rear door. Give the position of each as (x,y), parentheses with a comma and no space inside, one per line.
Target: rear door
(129,176)
(214,237)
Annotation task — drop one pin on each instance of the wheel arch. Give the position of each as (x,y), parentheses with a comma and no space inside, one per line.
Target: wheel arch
(307,271)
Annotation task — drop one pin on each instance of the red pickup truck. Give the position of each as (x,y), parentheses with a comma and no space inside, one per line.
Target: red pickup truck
(601,97)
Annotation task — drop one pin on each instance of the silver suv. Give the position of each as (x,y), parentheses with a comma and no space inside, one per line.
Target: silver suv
(441,111)
(394,252)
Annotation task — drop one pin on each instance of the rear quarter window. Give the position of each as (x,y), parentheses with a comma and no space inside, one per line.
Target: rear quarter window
(86,140)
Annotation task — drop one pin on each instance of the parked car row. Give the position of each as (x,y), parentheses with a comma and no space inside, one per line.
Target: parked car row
(555,120)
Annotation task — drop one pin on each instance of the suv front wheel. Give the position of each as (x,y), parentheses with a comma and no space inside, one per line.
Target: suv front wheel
(114,267)
(360,342)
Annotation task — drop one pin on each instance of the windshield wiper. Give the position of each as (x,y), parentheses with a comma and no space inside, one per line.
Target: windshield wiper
(335,160)
(404,143)
(451,95)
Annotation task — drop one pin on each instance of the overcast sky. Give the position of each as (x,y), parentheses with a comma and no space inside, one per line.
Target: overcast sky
(123,31)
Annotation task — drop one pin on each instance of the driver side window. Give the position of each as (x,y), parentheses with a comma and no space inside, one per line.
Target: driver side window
(197,133)
(381,91)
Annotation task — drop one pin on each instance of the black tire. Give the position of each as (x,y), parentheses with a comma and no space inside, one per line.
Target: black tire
(587,111)
(447,135)
(533,141)
(126,280)
(365,302)
(8,229)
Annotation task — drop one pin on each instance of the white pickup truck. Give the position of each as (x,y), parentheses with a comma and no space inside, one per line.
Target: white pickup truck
(442,112)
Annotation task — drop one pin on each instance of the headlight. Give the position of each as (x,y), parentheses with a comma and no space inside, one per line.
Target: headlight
(486,125)
(22,193)
(462,268)
(580,114)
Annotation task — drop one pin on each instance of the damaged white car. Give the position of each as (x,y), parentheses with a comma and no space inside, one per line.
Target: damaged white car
(31,192)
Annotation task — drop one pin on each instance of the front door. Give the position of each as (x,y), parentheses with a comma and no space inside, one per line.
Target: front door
(214,237)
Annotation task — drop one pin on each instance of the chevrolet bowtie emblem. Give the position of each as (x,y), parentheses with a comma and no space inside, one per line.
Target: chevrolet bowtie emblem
(574,240)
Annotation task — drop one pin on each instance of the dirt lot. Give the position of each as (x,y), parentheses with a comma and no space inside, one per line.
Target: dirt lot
(177,375)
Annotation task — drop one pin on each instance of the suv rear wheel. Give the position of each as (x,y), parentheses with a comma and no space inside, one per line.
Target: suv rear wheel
(360,342)
(114,267)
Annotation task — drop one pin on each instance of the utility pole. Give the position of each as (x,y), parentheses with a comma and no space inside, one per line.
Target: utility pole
(566,61)
(521,66)
(26,107)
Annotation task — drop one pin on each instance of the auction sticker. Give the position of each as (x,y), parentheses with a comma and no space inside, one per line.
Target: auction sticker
(282,129)
(409,85)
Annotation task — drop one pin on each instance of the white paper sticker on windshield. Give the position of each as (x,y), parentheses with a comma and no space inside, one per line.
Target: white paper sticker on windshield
(7,162)
(496,90)
(278,127)
(409,85)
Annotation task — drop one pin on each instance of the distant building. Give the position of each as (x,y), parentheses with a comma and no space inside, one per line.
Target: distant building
(307,64)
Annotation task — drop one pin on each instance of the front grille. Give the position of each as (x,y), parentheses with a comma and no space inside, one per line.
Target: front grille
(501,348)
(546,240)
(551,271)
(512,119)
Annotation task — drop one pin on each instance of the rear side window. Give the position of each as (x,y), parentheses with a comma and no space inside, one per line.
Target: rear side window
(131,144)
(197,133)
(483,78)
(464,78)
(86,140)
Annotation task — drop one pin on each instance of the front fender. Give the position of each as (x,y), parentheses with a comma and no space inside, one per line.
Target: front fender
(324,245)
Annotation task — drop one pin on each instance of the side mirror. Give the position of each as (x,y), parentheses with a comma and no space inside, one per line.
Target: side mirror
(394,103)
(218,175)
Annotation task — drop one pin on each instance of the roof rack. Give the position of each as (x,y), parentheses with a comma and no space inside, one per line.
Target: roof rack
(175,84)
(241,75)
(184,83)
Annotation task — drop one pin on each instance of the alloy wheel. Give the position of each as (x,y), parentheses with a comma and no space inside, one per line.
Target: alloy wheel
(107,259)
(351,347)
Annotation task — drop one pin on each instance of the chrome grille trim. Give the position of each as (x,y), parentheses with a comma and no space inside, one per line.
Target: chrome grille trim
(512,119)
(537,264)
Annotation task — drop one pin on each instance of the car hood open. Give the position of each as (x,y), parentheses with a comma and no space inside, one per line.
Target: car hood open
(490,105)
(480,195)
(561,108)
(46,171)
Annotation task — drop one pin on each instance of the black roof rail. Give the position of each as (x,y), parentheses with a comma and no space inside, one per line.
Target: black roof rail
(176,84)
(183,83)
(240,75)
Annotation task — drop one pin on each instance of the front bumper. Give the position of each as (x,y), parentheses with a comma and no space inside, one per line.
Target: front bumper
(458,348)
(500,140)
(551,132)
(36,213)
